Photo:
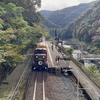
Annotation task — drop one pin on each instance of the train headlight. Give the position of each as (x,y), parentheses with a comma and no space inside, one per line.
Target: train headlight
(40,63)
(36,56)
(43,56)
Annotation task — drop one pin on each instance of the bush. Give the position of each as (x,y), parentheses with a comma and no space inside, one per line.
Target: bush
(94,69)
(69,50)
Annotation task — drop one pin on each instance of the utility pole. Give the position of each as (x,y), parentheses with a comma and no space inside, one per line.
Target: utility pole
(55,34)
(56,38)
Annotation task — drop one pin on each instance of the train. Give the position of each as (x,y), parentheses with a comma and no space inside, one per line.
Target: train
(40,57)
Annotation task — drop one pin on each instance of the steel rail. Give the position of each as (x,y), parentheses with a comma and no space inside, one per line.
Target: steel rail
(34,94)
(43,88)
(35,86)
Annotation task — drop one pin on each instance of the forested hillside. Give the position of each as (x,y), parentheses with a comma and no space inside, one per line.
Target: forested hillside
(30,14)
(46,13)
(19,30)
(64,16)
(49,24)
(86,28)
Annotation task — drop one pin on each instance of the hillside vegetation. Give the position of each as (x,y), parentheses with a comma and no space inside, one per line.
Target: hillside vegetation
(19,30)
(64,16)
(46,13)
(86,27)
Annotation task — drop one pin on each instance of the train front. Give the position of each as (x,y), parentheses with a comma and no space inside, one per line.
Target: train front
(40,59)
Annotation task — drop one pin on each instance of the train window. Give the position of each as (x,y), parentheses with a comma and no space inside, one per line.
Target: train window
(40,52)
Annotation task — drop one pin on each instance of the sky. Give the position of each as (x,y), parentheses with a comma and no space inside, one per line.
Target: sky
(60,4)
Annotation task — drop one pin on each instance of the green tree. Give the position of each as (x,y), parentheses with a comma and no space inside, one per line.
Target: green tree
(15,34)
(69,50)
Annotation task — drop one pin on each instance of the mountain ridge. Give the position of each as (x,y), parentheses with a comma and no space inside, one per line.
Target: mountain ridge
(64,16)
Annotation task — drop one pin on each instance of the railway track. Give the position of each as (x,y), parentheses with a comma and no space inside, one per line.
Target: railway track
(36,86)
(56,87)
(39,88)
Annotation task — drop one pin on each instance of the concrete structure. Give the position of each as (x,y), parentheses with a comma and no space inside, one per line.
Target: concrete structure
(66,46)
(77,54)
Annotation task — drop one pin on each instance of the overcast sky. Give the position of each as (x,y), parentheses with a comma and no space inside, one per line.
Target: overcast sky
(60,4)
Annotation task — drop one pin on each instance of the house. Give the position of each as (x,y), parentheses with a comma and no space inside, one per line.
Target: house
(77,54)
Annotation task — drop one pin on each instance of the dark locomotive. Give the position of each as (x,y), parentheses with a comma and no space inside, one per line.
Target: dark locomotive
(40,58)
